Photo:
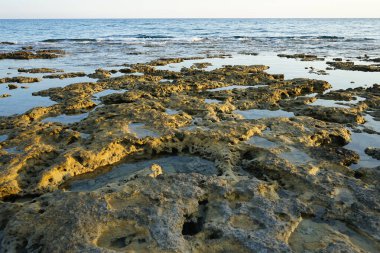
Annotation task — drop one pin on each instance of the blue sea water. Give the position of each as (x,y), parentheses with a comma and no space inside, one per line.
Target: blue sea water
(115,41)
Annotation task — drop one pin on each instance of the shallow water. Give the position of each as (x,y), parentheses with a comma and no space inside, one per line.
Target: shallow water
(141,131)
(3,137)
(296,157)
(361,141)
(67,119)
(171,111)
(97,96)
(170,165)
(337,103)
(212,101)
(262,142)
(166,81)
(13,150)
(259,114)
(329,103)
(232,87)
(22,100)
(194,128)
(371,123)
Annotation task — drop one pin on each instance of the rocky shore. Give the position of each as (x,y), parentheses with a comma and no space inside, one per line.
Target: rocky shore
(227,160)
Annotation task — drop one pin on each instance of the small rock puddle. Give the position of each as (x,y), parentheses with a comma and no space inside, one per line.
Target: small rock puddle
(66,119)
(232,87)
(123,171)
(260,114)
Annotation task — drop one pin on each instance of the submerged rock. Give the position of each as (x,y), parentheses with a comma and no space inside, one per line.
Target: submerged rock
(28,55)
(303,57)
(5,95)
(20,79)
(12,86)
(100,74)
(39,70)
(65,75)
(374,152)
(248,53)
(201,65)
(27,48)
(7,43)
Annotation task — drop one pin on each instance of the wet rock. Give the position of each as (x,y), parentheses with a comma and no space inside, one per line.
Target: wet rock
(51,51)
(100,74)
(374,152)
(354,67)
(127,70)
(27,48)
(39,70)
(221,56)
(7,43)
(201,65)
(12,86)
(20,79)
(332,114)
(248,53)
(303,57)
(5,95)
(28,55)
(318,72)
(166,61)
(65,75)
(339,95)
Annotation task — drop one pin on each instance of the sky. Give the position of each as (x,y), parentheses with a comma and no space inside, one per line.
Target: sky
(189,9)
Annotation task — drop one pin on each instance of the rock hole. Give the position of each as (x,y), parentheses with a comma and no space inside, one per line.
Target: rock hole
(215,234)
(358,174)
(78,158)
(119,243)
(194,223)
(284,95)
(191,226)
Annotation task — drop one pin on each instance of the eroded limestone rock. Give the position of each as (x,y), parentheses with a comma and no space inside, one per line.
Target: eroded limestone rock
(278,184)
(355,67)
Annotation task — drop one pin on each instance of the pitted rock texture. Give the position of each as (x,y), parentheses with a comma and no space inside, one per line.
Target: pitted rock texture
(278,184)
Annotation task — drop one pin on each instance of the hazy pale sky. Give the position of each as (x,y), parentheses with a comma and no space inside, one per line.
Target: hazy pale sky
(187,8)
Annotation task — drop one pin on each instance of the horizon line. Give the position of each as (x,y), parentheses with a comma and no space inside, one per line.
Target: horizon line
(65,18)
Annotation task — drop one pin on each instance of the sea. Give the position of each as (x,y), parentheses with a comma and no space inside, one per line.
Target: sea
(98,42)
